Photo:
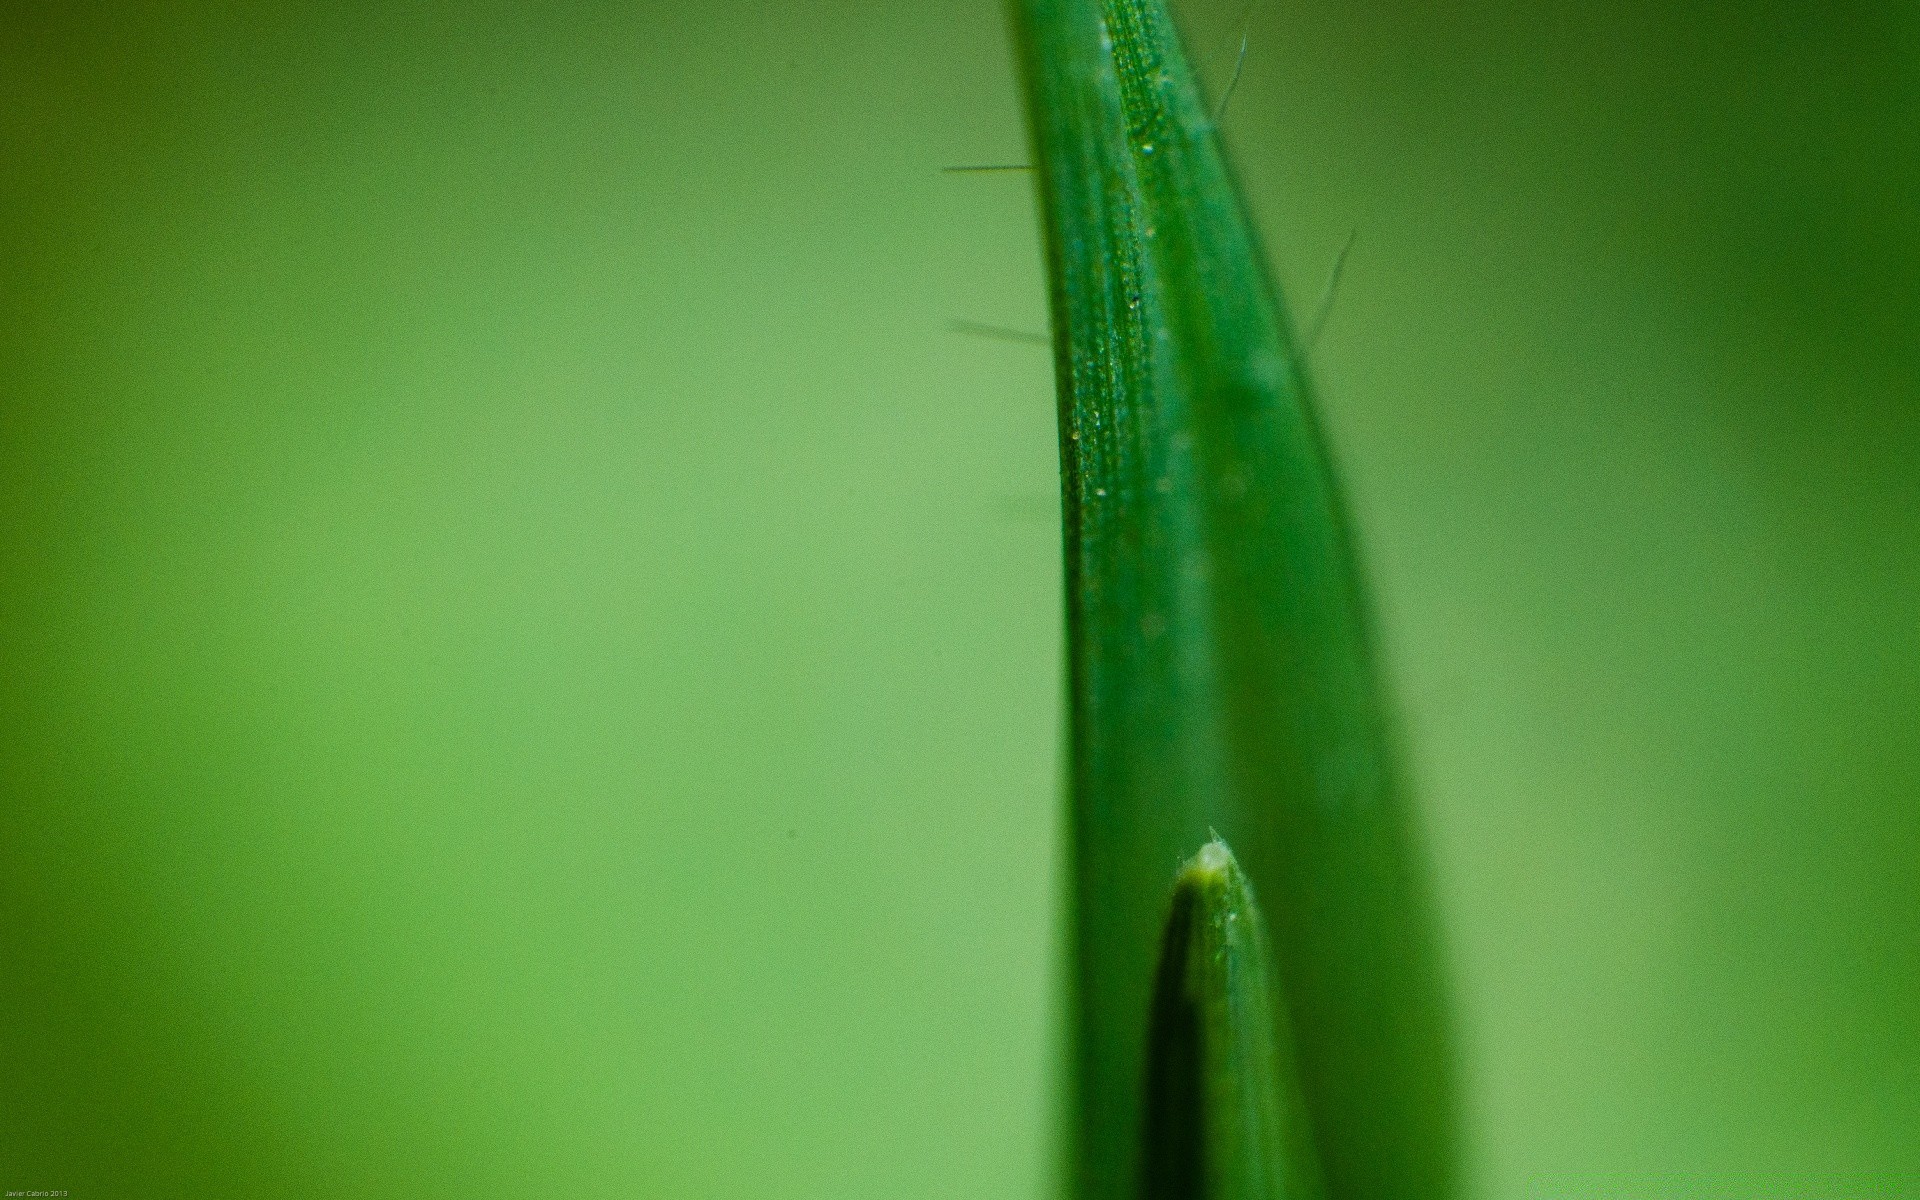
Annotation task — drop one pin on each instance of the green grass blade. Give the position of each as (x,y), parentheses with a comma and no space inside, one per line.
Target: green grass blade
(1224,1119)
(1220,673)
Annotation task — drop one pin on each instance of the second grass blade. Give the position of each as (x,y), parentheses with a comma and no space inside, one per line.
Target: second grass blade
(1220,673)
(1224,1119)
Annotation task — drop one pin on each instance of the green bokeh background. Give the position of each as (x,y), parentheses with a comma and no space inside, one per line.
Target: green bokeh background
(529,649)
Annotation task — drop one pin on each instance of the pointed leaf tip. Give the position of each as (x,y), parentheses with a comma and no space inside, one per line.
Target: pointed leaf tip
(1224,1119)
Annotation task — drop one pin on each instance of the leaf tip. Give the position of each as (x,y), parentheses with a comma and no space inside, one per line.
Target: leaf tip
(1214,867)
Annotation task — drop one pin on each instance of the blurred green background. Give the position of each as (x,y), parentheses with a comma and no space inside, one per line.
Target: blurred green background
(529,648)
